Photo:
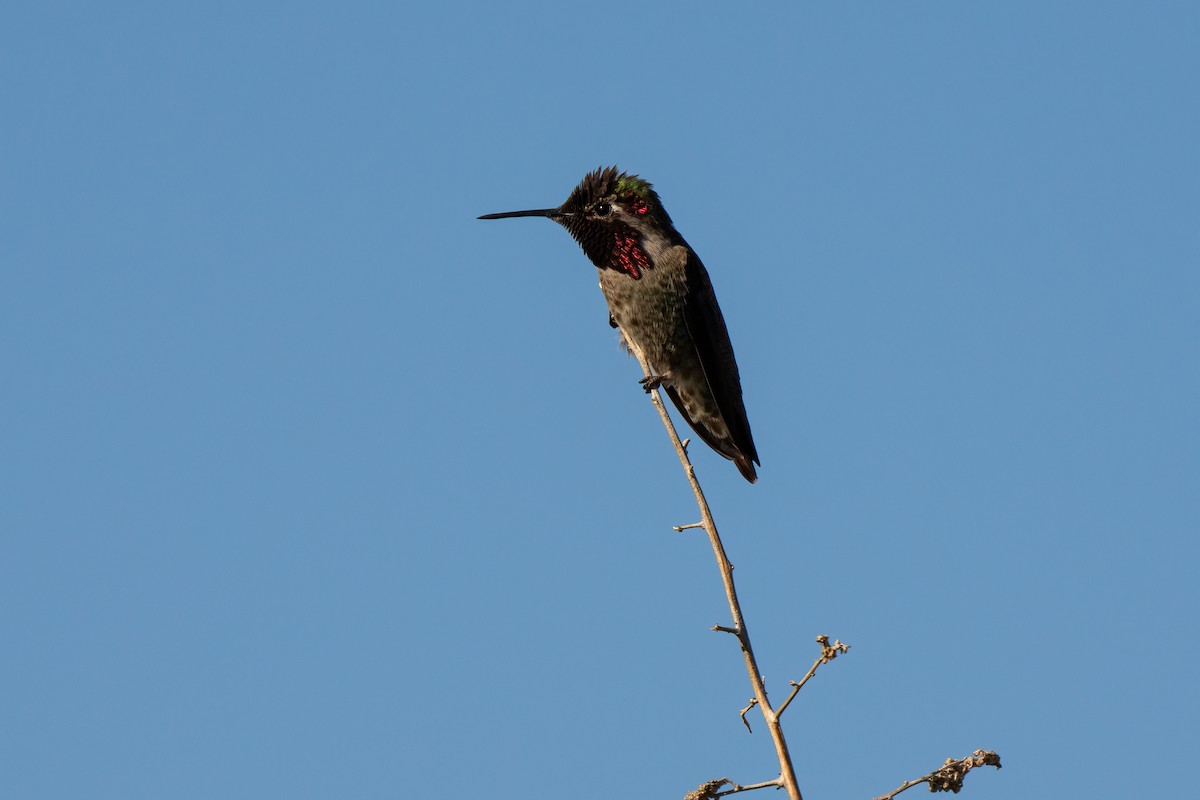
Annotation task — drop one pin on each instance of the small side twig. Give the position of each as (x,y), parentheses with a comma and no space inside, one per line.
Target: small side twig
(682,528)
(828,653)
(949,777)
(775,784)
(746,722)
(713,789)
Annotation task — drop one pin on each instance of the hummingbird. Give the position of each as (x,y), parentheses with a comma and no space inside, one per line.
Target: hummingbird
(661,300)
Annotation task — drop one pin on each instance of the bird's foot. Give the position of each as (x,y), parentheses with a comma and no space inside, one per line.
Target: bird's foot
(652,382)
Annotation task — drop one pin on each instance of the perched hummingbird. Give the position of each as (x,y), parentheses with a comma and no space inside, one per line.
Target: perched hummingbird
(660,298)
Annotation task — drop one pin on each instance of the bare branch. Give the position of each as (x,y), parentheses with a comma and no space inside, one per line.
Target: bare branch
(787,773)
(682,528)
(828,653)
(712,789)
(746,722)
(764,785)
(949,777)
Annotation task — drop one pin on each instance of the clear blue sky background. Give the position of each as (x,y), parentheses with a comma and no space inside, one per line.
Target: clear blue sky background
(314,486)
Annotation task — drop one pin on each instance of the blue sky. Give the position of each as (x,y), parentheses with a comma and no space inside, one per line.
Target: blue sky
(316,486)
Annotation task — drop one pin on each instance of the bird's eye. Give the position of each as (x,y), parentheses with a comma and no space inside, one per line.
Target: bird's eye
(603,210)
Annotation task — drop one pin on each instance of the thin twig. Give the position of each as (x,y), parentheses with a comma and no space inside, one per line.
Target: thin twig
(828,653)
(753,702)
(750,788)
(712,789)
(949,777)
(689,526)
(787,773)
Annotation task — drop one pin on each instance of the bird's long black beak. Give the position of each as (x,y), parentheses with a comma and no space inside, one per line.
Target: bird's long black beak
(552,213)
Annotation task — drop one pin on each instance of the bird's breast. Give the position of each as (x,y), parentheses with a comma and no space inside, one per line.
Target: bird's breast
(650,309)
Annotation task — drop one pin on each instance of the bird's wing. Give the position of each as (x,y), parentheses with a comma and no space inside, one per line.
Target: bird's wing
(707,327)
